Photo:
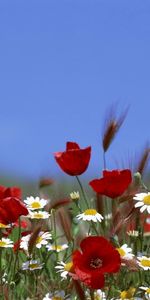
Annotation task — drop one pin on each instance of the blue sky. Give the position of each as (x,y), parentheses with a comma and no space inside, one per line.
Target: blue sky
(62,64)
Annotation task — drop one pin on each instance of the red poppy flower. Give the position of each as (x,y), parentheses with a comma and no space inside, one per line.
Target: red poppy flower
(10,192)
(98,257)
(8,231)
(11,209)
(74,161)
(23,224)
(113,183)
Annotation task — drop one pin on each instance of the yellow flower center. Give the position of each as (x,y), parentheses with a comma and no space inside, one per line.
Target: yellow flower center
(39,239)
(146,200)
(148,291)
(35,205)
(4,225)
(91,212)
(68,266)
(128,294)
(57,298)
(33,266)
(3,244)
(97,297)
(57,248)
(121,252)
(145,262)
(38,215)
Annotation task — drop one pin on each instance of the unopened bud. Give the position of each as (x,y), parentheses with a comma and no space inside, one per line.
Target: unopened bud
(75,196)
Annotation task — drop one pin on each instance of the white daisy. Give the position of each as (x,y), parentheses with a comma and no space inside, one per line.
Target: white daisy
(90,215)
(47,297)
(125,252)
(64,269)
(98,295)
(143,201)
(32,265)
(40,241)
(38,215)
(147,291)
(35,203)
(6,243)
(58,295)
(56,248)
(24,242)
(144,262)
(75,196)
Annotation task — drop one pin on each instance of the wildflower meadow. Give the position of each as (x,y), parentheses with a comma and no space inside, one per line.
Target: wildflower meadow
(93,246)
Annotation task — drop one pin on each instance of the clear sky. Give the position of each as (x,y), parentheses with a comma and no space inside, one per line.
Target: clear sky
(62,64)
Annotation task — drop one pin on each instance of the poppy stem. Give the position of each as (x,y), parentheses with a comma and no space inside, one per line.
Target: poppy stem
(17,252)
(79,290)
(86,201)
(94,227)
(82,190)
(104,160)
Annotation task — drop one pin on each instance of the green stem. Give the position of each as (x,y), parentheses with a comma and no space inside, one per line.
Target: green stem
(104,160)
(83,193)
(55,232)
(94,227)
(17,252)
(86,202)
(92,294)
